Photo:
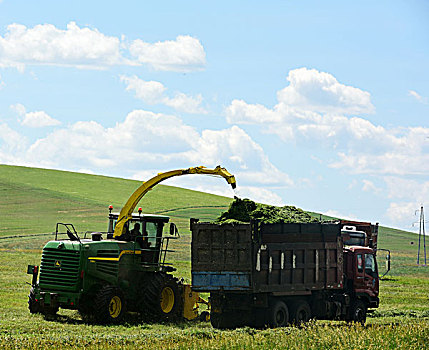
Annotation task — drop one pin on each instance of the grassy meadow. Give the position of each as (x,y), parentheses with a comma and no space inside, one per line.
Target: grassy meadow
(33,200)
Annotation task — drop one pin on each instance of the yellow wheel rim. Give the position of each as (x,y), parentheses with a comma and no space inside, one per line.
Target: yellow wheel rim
(167,300)
(115,306)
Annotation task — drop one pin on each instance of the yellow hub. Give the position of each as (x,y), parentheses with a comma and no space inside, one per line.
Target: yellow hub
(115,306)
(167,300)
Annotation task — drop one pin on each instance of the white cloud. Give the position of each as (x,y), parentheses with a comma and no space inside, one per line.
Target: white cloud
(417,96)
(37,119)
(145,141)
(310,89)
(2,83)
(154,92)
(84,47)
(183,54)
(337,214)
(407,189)
(369,186)
(312,111)
(403,213)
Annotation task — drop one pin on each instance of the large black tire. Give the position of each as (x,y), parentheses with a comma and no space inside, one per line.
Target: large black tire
(33,305)
(357,312)
(162,299)
(109,305)
(301,312)
(278,314)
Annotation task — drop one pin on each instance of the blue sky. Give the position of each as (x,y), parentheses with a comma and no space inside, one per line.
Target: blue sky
(323,105)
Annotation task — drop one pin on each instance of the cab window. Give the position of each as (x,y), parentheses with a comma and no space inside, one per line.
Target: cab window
(370,265)
(359,263)
(152,230)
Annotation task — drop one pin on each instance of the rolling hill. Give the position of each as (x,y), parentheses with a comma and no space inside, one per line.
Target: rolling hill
(33,200)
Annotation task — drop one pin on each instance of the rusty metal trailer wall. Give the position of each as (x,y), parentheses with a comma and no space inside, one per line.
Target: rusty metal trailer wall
(275,258)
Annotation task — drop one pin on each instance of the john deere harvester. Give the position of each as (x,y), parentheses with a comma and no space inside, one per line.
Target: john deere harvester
(103,275)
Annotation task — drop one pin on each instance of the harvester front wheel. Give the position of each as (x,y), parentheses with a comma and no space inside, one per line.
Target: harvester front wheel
(109,305)
(162,298)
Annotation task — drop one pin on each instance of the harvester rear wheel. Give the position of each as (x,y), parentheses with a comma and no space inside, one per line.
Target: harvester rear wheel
(162,297)
(109,305)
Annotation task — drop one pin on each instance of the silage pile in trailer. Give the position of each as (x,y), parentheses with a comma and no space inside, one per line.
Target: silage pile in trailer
(244,210)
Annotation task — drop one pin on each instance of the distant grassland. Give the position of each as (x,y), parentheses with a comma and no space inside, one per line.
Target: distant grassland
(33,200)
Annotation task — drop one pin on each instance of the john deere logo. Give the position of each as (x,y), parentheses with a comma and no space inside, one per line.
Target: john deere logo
(57,264)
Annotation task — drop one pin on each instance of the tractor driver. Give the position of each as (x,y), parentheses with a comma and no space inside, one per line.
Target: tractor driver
(135,232)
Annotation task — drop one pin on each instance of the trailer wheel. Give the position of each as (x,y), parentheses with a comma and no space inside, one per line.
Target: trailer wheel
(278,314)
(301,312)
(358,312)
(109,305)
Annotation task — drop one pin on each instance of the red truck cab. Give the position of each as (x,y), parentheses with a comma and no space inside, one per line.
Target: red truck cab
(361,273)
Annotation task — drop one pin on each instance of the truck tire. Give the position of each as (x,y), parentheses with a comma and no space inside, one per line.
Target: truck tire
(357,312)
(301,312)
(33,305)
(162,298)
(109,306)
(278,314)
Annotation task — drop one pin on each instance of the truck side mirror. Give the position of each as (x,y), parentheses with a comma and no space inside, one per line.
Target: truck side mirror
(173,229)
(387,261)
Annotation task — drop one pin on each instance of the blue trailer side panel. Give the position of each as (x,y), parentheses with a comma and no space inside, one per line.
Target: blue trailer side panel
(225,280)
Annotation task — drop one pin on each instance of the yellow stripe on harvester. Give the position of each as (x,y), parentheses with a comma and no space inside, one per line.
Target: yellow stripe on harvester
(118,258)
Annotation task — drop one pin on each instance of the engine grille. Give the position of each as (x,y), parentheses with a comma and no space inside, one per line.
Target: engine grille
(59,268)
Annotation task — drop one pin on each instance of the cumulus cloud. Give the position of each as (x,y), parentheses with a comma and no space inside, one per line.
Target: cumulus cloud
(310,89)
(417,96)
(84,47)
(146,140)
(154,92)
(37,119)
(316,110)
(183,54)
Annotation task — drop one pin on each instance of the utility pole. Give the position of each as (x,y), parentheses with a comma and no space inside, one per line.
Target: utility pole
(422,232)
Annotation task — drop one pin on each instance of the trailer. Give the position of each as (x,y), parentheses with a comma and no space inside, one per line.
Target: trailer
(276,274)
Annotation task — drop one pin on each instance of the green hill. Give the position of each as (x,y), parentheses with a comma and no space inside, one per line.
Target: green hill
(33,200)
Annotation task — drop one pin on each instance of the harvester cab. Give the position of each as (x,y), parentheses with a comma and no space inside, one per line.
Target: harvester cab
(148,235)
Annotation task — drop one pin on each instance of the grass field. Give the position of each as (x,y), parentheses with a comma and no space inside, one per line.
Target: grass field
(33,200)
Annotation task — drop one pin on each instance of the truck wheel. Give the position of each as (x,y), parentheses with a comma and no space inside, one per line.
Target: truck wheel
(162,297)
(109,305)
(358,312)
(33,305)
(278,314)
(301,312)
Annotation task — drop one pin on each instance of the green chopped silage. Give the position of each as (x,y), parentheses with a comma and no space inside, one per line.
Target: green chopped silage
(244,210)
